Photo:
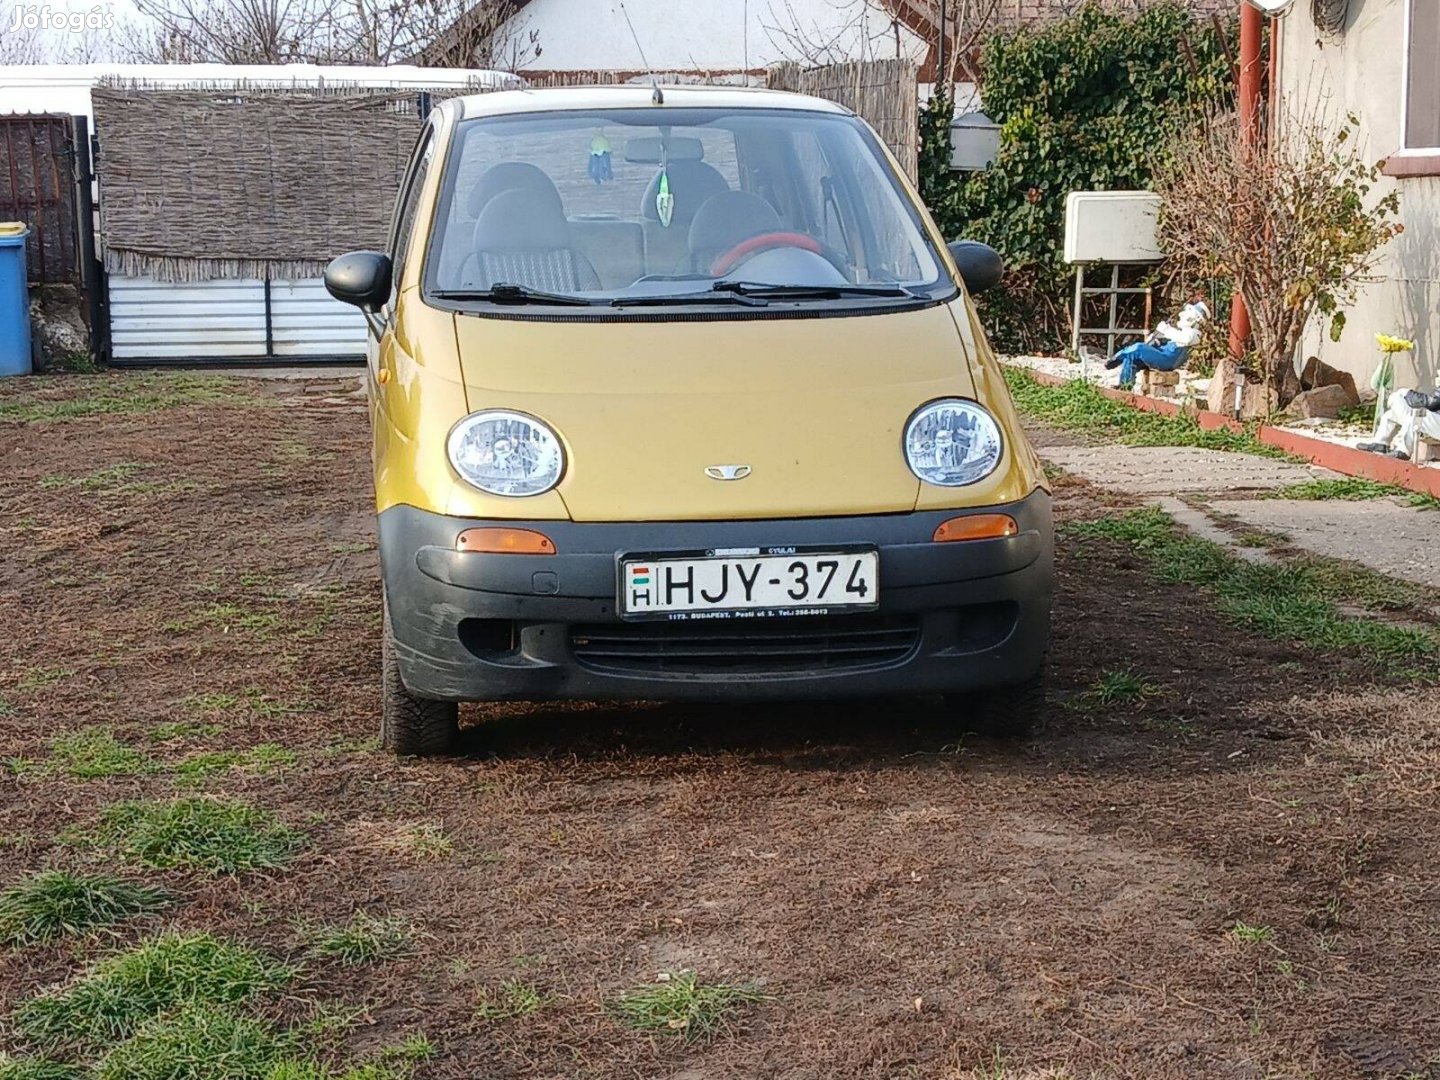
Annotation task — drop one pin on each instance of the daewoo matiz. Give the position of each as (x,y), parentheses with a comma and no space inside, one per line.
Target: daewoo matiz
(678,393)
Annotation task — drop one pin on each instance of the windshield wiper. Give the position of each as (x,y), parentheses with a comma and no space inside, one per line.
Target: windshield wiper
(707,297)
(505,293)
(812,292)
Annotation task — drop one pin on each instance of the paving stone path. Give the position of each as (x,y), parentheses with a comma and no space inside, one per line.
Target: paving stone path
(1383,534)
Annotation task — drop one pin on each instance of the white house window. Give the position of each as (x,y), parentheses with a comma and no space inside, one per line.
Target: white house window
(1422,76)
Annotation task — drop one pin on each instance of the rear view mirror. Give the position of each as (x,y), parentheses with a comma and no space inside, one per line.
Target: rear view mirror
(647,151)
(980,265)
(361,278)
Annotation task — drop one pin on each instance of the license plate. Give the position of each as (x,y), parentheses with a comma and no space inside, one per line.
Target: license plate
(748,582)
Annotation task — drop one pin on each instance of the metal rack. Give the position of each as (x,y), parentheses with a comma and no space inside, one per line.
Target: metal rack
(1114,291)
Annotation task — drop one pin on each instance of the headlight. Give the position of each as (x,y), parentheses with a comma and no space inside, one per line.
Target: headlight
(952,443)
(506,453)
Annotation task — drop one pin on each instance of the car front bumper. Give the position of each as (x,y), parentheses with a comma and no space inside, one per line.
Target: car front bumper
(504,627)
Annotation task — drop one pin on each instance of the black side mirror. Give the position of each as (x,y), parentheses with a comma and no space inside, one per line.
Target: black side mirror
(980,265)
(361,278)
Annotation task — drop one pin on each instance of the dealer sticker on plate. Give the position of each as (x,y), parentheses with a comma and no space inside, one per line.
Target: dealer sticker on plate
(748,582)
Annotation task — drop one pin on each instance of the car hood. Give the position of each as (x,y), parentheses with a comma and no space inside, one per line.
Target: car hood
(810,410)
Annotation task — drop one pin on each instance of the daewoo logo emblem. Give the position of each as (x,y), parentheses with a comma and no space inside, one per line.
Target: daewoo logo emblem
(727,472)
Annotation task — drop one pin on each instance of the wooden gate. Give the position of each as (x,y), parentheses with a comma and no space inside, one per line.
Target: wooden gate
(37,186)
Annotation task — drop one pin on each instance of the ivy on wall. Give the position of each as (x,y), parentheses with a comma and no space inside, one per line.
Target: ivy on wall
(1086,103)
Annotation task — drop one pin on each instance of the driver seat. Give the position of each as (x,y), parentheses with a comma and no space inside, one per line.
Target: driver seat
(724,221)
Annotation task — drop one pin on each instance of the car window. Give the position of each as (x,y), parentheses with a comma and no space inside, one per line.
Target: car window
(409,206)
(647,203)
(815,185)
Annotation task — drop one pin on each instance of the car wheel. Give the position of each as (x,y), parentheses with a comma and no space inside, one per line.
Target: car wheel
(1006,712)
(409,725)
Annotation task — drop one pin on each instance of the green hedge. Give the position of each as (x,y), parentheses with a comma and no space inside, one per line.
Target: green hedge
(1086,103)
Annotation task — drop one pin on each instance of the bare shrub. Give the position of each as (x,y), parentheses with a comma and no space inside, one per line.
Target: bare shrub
(1293,222)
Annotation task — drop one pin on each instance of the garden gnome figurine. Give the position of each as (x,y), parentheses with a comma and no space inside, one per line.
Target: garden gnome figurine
(1165,349)
(1412,416)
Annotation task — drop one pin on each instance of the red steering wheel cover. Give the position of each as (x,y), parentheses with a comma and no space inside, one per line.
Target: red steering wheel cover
(723,264)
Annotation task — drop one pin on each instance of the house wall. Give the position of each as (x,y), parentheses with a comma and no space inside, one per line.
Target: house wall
(1360,71)
(718,35)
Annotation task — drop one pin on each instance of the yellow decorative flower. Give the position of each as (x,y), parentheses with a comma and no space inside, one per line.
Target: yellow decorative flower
(1390,344)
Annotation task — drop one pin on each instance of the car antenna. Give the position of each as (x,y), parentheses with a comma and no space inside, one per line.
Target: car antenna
(658,97)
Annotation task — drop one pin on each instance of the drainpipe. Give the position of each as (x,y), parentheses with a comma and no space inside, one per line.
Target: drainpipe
(1251,25)
(940,79)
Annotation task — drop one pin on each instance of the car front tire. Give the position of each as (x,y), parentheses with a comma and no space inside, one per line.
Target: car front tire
(411,726)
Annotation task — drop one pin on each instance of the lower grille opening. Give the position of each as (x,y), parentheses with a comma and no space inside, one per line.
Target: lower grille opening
(489,638)
(751,646)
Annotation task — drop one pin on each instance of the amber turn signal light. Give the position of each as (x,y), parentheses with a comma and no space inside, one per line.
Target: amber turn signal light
(501,541)
(975,527)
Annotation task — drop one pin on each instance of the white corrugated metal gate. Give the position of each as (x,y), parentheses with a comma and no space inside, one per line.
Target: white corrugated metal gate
(151,321)
(230,320)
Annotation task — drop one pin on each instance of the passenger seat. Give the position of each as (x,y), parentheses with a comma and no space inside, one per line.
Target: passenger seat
(522,238)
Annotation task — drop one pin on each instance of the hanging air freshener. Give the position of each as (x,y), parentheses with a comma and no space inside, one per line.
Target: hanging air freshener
(664,201)
(600,167)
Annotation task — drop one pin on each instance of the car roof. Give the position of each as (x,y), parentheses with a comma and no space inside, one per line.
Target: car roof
(630,96)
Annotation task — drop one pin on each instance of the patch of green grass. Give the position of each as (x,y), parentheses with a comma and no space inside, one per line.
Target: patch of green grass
(213,836)
(426,839)
(36,678)
(1290,601)
(363,940)
(512,998)
(391,1063)
(183,729)
(1079,406)
(6,709)
(94,753)
(267,707)
(355,548)
(251,700)
(54,904)
(1252,935)
(208,704)
(1362,412)
(38,1069)
(111,475)
(1349,488)
(111,394)
(1116,687)
(200,1041)
(1355,488)
(113,480)
(123,991)
(1261,538)
(263,758)
(225,618)
(683,1005)
(1350,583)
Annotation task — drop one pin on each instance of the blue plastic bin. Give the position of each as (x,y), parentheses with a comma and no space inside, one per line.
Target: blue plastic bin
(14,302)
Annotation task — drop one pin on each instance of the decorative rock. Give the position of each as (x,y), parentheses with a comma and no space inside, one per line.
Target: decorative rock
(1319,374)
(1322,402)
(1220,397)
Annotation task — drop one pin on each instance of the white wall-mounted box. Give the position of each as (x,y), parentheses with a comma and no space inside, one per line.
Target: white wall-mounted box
(1112,226)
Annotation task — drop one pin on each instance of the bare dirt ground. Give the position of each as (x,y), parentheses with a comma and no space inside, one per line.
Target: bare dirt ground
(201,575)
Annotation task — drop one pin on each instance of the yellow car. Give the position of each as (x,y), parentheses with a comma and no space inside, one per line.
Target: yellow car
(678,393)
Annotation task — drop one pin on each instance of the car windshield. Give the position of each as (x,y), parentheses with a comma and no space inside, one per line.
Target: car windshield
(635,207)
